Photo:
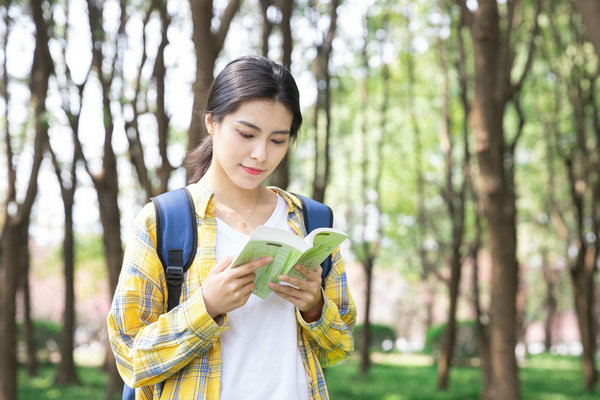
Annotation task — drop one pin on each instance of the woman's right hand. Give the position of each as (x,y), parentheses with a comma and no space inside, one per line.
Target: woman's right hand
(225,289)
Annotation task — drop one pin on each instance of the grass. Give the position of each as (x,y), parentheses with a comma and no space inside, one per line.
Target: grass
(398,377)
(392,377)
(93,385)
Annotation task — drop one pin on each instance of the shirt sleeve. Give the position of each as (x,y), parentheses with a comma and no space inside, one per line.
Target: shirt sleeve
(331,336)
(150,345)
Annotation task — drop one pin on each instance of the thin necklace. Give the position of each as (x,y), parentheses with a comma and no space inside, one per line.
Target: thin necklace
(243,224)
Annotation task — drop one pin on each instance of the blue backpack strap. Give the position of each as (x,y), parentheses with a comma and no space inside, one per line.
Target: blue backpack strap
(128,393)
(176,238)
(176,244)
(317,215)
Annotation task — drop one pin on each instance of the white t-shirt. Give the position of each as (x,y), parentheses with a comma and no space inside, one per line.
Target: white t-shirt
(259,351)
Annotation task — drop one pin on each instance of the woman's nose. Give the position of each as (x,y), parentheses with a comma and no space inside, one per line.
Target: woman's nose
(259,151)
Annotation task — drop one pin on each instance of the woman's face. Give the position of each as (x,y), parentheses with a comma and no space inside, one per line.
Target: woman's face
(249,143)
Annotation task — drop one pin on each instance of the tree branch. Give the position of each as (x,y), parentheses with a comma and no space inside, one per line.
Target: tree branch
(10,169)
(466,15)
(519,84)
(226,19)
(513,144)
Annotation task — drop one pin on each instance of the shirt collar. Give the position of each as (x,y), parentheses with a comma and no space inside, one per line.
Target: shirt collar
(292,201)
(203,199)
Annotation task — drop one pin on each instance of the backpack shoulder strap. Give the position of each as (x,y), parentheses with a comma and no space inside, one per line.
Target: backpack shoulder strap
(176,238)
(317,215)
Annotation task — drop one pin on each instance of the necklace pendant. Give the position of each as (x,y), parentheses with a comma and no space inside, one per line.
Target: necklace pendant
(242,224)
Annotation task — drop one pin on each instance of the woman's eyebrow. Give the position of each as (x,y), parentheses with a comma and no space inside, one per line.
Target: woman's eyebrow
(252,126)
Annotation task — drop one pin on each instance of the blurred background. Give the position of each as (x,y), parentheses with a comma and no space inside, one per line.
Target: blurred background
(456,141)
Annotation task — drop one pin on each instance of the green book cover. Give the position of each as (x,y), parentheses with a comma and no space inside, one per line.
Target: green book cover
(287,250)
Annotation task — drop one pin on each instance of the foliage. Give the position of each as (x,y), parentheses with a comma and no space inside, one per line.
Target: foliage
(46,334)
(465,345)
(93,385)
(379,334)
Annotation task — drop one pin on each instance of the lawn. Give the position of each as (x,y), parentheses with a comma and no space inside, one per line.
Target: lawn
(93,385)
(402,377)
(392,377)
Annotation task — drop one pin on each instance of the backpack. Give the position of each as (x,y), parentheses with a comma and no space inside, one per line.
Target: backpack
(177,240)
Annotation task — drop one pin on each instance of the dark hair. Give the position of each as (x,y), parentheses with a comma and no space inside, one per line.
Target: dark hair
(244,79)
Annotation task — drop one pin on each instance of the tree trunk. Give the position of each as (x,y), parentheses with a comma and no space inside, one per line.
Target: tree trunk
(455,203)
(281,175)
(10,242)
(497,199)
(590,15)
(31,364)
(162,118)
(267,26)
(286,7)
(18,221)
(66,372)
(582,278)
(322,76)
(207,45)
(106,181)
(550,303)
(365,359)
(581,164)
(107,191)
(445,358)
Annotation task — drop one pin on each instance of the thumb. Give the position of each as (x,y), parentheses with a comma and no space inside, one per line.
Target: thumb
(222,265)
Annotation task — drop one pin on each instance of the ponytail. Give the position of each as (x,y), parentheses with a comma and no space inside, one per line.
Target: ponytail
(199,159)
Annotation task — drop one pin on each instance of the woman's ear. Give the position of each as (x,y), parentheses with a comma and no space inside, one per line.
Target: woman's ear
(210,124)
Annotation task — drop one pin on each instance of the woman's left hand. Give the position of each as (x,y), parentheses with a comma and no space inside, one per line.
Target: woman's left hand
(304,294)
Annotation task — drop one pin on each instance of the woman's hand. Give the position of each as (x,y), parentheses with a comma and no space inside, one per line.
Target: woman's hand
(304,294)
(225,289)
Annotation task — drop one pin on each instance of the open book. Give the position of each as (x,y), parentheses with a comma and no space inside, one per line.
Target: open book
(287,250)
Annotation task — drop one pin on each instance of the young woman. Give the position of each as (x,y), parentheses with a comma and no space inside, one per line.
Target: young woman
(222,342)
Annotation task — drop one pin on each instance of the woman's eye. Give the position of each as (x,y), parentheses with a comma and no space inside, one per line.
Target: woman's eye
(245,135)
(278,141)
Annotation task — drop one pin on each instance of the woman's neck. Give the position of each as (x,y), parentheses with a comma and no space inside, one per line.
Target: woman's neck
(229,195)
(240,208)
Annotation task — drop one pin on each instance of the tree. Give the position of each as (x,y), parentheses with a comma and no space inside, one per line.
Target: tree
(17,213)
(494,55)
(455,199)
(590,15)
(105,181)
(208,45)
(281,175)
(323,103)
(429,273)
(136,150)
(67,180)
(369,245)
(578,149)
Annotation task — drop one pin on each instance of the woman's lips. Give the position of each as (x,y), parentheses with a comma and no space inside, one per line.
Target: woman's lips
(252,171)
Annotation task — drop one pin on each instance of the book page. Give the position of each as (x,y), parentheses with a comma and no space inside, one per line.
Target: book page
(283,246)
(324,241)
(283,257)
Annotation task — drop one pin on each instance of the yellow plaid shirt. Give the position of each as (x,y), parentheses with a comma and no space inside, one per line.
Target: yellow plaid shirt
(177,355)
